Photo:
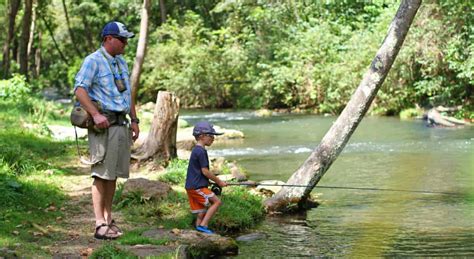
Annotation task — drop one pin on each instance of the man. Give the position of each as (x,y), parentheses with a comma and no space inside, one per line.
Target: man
(102,87)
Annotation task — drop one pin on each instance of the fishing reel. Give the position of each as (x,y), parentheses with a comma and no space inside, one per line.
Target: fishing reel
(216,189)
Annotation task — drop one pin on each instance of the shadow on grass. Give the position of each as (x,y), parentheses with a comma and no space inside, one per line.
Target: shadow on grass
(27,208)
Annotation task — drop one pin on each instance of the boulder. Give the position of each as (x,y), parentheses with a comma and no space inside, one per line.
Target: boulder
(149,189)
(274,189)
(217,165)
(185,138)
(251,237)
(197,244)
(236,173)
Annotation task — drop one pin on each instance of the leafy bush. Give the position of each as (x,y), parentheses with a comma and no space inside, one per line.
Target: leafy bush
(240,210)
(15,90)
(175,172)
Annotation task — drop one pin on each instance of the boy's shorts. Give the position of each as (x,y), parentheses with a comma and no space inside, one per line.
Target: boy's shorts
(199,199)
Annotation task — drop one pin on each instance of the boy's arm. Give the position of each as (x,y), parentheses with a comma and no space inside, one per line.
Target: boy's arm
(205,171)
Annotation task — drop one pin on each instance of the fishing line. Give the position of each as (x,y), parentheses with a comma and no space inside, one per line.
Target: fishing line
(343,188)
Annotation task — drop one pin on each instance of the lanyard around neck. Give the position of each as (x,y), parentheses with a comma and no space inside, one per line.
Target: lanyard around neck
(111,67)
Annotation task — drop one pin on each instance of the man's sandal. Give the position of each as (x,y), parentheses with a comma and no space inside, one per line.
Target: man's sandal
(108,235)
(115,228)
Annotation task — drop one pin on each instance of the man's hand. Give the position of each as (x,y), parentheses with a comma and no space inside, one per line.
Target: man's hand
(100,121)
(221,183)
(135,131)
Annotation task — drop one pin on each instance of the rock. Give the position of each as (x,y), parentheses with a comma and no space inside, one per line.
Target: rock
(185,138)
(149,106)
(273,189)
(236,173)
(184,154)
(150,189)
(144,251)
(197,244)
(263,113)
(183,124)
(251,237)
(217,165)
(226,177)
(185,144)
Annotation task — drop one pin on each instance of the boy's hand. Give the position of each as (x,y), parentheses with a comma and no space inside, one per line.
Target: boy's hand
(222,184)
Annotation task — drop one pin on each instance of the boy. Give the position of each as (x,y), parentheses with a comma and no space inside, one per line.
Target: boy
(197,178)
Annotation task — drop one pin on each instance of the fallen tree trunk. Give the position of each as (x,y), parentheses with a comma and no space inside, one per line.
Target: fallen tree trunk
(435,118)
(339,134)
(160,143)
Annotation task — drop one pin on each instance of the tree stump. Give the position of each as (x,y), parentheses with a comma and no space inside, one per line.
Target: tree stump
(160,144)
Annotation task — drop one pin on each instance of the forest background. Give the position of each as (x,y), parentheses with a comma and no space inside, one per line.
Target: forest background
(250,54)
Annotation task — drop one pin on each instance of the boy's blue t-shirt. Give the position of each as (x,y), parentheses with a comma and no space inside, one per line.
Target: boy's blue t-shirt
(195,178)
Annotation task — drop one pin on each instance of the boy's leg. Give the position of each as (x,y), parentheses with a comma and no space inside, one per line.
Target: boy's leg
(216,202)
(199,218)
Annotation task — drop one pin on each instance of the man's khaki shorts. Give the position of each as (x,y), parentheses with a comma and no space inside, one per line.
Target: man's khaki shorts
(110,152)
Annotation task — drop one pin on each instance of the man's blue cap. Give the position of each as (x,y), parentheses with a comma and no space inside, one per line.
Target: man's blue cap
(204,127)
(116,29)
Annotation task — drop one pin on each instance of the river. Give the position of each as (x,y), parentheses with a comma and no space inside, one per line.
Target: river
(383,152)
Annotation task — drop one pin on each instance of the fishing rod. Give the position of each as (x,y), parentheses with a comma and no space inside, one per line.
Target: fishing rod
(337,187)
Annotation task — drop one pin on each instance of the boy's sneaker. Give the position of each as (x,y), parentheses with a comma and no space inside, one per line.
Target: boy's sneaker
(204,230)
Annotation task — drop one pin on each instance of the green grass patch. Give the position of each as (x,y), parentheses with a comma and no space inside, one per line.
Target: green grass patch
(411,113)
(240,209)
(135,237)
(175,172)
(31,199)
(110,250)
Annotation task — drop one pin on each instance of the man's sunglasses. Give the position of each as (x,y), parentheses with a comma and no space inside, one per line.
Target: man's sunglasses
(122,39)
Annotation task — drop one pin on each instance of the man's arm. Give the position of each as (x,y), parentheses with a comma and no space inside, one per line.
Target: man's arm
(134,124)
(211,176)
(99,120)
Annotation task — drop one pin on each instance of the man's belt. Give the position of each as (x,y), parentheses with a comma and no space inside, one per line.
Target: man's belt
(116,118)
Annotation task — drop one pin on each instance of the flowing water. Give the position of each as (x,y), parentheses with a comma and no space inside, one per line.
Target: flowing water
(382,153)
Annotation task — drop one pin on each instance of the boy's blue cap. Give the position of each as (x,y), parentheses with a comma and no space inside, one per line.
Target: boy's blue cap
(116,29)
(204,127)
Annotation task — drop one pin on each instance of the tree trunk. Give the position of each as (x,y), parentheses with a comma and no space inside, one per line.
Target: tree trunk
(38,55)
(13,7)
(90,41)
(141,50)
(25,37)
(54,41)
(339,134)
(29,52)
(161,141)
(162,11)
(71,34)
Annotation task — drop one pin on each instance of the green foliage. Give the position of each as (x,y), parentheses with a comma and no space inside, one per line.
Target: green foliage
(14,90)
(175,172)
(410,113)
(135,237)
(110,250)
(240,210)
(270,54)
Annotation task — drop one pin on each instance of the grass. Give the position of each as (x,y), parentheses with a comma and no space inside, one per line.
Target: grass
(30,199)
(240,209)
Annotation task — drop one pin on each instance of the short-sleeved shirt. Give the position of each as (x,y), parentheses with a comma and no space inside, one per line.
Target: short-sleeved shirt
(195,179)
(97,76)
